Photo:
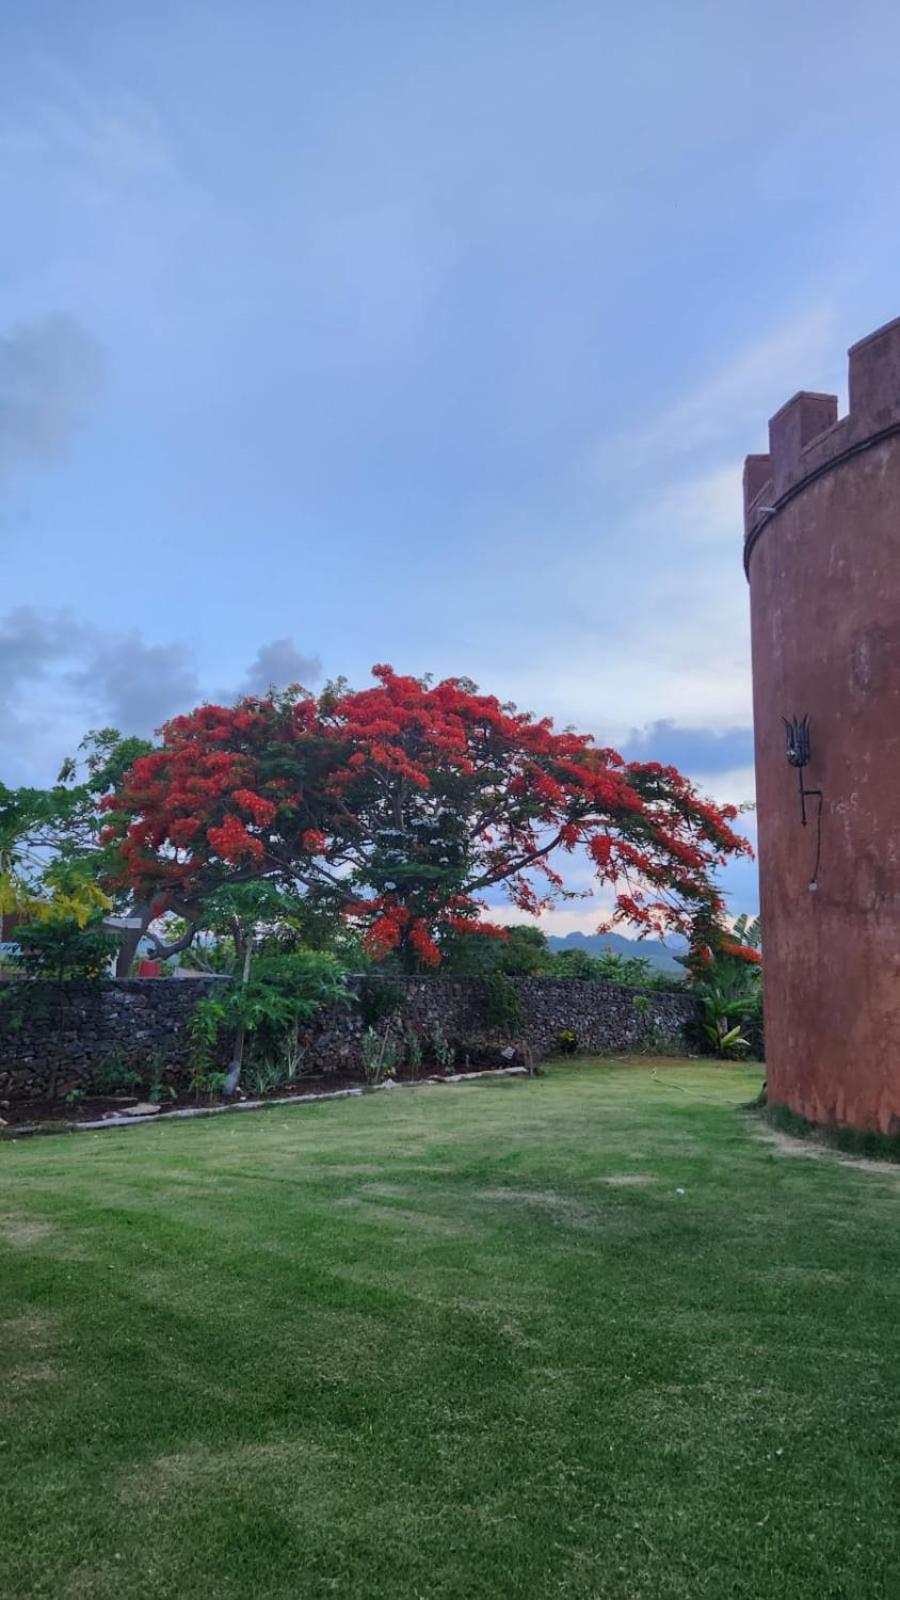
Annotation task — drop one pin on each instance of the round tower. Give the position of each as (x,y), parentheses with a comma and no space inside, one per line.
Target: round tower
(822,555)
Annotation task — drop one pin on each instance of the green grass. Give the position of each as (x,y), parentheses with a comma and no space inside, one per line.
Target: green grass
(452,1342)
(851,1141)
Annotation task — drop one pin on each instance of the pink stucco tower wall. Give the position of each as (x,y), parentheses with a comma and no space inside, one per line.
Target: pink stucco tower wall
(822,554)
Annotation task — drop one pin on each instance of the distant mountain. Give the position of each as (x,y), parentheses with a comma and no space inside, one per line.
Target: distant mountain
(662,955)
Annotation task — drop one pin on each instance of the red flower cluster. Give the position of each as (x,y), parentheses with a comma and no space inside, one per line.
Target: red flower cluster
(741,952)
(233,843)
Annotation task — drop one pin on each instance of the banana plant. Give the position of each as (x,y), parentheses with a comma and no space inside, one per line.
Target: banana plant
(720,1030)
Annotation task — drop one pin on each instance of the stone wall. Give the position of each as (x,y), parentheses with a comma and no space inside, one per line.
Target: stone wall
(142,1023)
(603,1016)
(71,1029)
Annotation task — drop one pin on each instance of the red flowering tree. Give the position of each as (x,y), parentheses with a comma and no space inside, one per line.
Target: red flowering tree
(403,804)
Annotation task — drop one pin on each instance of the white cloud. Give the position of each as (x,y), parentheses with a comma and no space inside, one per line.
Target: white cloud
(49,372)
(736,787)
(60,675)
(278,664)
(563,919)
(739,398)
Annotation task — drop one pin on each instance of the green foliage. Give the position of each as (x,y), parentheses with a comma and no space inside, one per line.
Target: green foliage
(283,992)
(654,1037)
(52,863)
(522,954)
(412,1045)
(275,919)
(501,1006)
(567,1042)
(275,1072)
(59,950)
(729,988)
(721,1025)
(158,1089)
(380,998)
(381,1054)
(114,1077)
(206,1080)
(441,1048)
(633,972)
(869,1144)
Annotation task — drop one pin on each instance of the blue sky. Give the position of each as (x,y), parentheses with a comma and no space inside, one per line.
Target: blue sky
(341,333)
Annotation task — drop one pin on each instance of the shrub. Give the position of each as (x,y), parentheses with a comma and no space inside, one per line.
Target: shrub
(653,1036)
(413,1047)
(380,1054)
(501,1006)
(443,1051)
(721,1025)
(567,1042)
(379,998)
(283,992)
(264,1077)
(114,1077)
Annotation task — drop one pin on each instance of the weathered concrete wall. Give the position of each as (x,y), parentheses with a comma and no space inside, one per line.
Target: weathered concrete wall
(141,1022)
(824,570)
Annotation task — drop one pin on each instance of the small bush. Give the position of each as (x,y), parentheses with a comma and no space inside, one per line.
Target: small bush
(380,1055)
(567,1042)
(413,1048)
(501,1006)
(114,1077)
(379,998)
(443,1051)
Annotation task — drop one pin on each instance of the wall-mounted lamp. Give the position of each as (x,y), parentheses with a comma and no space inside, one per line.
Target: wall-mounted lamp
(798,752)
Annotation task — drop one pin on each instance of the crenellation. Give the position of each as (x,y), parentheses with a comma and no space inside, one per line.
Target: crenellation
(792,428)
(806,437)
(874,378)
(757,477)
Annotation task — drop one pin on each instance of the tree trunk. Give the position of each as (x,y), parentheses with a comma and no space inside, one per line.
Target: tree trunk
(131,938)
(233,1076)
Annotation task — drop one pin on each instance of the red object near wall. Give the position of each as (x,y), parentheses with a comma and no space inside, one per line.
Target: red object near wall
(148,969)
(822,555)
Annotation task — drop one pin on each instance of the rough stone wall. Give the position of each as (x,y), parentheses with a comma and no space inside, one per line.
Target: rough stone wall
(139,1021)
(136,1022)
(603,1016)
(822,554)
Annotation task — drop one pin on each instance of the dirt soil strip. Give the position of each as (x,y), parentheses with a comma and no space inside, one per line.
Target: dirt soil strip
(30,1129)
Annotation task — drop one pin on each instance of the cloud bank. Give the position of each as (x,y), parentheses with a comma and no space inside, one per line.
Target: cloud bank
(49,373)
(60,675)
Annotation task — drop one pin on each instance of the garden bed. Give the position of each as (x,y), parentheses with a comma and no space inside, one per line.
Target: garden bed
(97,1112)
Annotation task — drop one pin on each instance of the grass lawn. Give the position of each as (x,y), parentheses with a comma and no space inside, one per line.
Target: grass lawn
(463,1342)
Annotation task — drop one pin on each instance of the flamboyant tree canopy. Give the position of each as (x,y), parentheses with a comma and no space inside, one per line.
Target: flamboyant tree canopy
(403,804)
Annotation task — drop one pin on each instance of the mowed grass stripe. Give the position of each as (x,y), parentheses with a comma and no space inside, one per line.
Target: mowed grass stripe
(464,1343)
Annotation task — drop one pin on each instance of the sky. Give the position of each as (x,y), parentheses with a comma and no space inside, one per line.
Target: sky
(361,331)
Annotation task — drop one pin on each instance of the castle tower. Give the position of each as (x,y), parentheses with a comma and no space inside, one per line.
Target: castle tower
(822,555)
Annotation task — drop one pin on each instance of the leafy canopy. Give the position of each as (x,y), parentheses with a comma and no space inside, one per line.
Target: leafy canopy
(401,805)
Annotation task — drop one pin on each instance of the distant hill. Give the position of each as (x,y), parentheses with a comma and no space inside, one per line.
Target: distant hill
(653,950)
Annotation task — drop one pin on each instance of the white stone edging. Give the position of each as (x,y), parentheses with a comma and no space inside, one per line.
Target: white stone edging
(120,1121)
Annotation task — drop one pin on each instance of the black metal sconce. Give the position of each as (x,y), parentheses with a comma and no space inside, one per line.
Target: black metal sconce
(798,754)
